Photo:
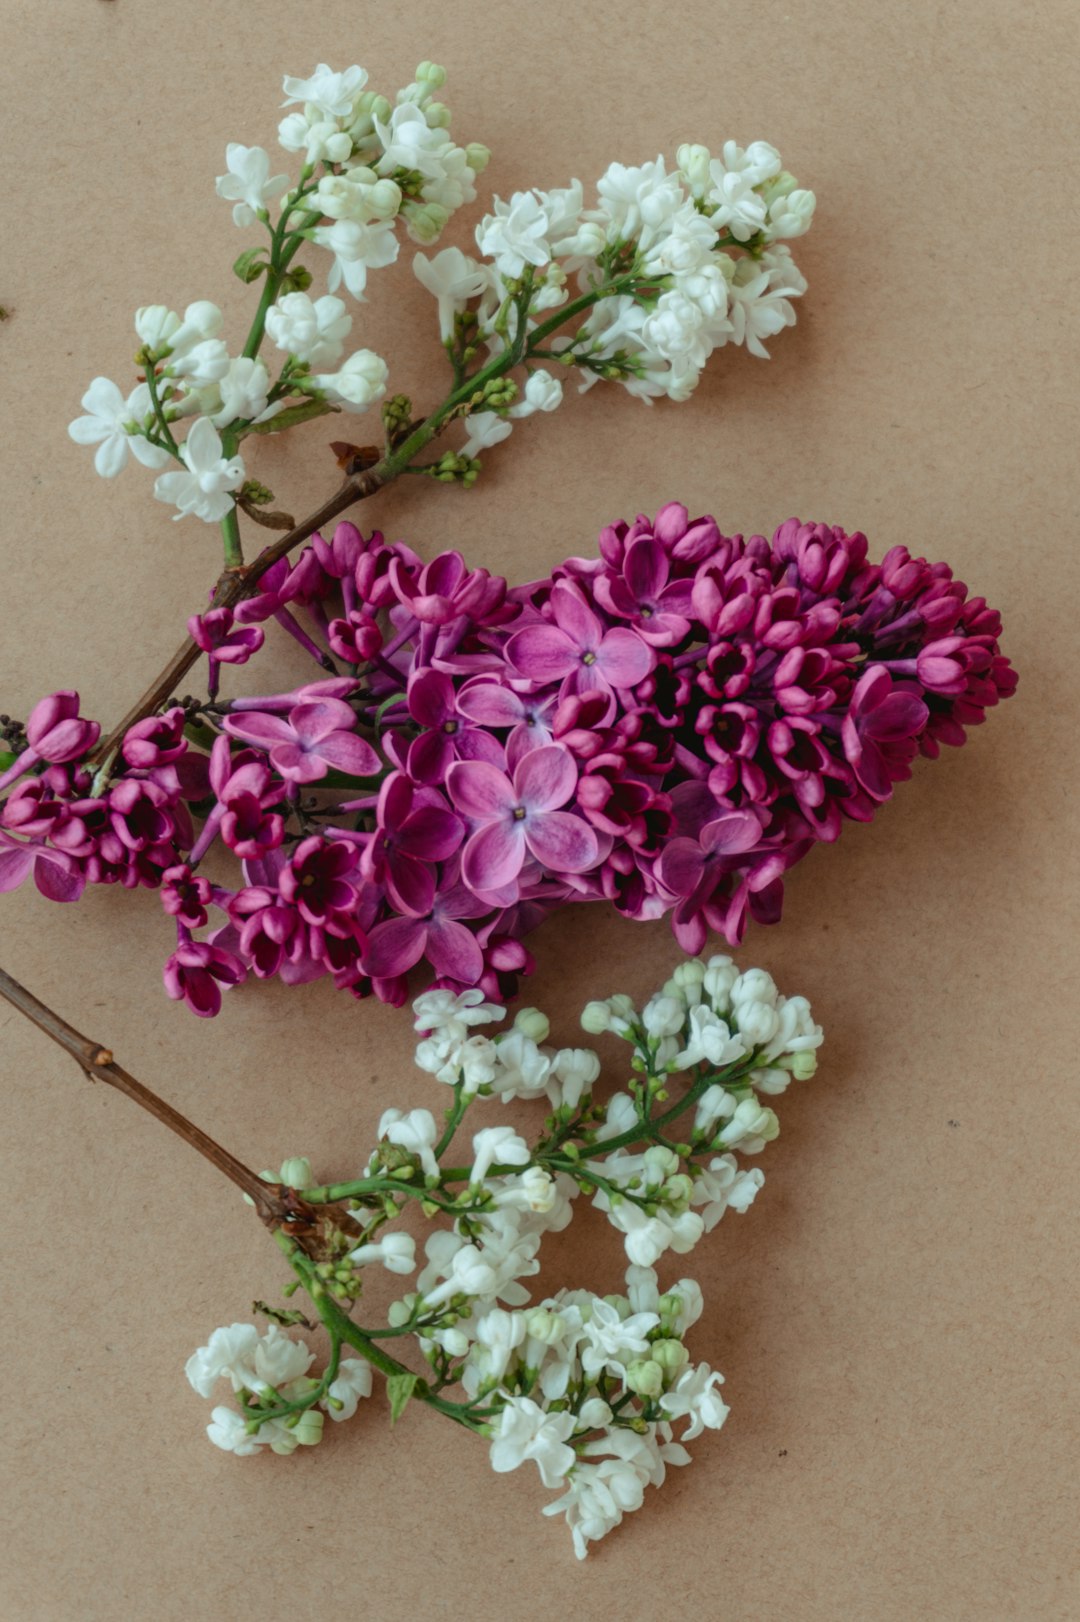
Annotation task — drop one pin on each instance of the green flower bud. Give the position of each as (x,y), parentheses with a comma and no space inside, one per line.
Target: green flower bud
(596,1018)
(781,185)
(533,1023)
(694,161)
(670,1356)
(478,156)
(309,1431)
(677,1192)
(426,221)
(399,1312)
(545,1326)
(431,75)
(802,1065)
(645,1378)
(437,115)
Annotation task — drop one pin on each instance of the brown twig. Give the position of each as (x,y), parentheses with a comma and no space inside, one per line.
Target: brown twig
(232,587)
(272,1203)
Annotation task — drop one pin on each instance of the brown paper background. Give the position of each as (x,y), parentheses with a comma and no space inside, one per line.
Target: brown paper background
(893,1317)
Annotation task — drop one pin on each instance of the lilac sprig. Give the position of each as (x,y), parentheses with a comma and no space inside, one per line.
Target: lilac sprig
(668,726)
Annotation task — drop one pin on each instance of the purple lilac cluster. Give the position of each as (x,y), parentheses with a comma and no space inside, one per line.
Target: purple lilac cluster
(668,726)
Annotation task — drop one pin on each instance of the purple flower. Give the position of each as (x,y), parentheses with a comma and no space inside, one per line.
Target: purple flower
(57,875)
(156,741)
(397,944)
(445,589)
(879,731)
(318,735)
(519,818)
(490,704)
(448,737)
(55,732)
(658,608)
(192,974)
(217,634)
(186,895)
(318,882)
(695,869)
(577,651)
(416,829)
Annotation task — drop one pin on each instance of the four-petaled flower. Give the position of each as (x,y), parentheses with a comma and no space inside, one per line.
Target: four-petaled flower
(577,651)
(316,736)
(520,817)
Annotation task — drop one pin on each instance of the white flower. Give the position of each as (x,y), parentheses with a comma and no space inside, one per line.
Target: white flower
(357,195)
(687,242)
(751,1126)
(359,382)
(676,330)
(409,142)
(311,330)
(695,1396)
(320,139)
(113,424)
(757,163)
(535,1190)
(452,278)
(242,393)
(451,1013)
(516,234)
(663,1016)
(523,1067)
(396,1251)
(228,1430)
(597,1497)
(203,491)
(357,248)
(248,184)
(279,1358)
(202,363)
(735,203)
(353,1382)
(414,1131)
(495,1145)
(202,320)
(792,215)
(614,1341)
(542,393)
(155,325)
(332,93)
(228,1353)
(486,428)
(709,1039)
(498,1335)
(573,1071)
(720,975)
(526,1431)
(638,198)
(758,308)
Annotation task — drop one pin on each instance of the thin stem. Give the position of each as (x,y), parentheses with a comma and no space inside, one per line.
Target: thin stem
(98,1064)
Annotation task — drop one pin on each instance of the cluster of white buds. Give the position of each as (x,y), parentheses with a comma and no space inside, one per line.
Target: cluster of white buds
(588,1387)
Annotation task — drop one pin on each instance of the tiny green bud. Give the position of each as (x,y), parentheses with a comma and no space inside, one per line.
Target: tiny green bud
(297,279)
(477,156)
(296,1172)
(426,221)
(596,1018)
(645,1378)
(670,1355)
(437,115)
(533,1023)
(431,75)
(802,1065)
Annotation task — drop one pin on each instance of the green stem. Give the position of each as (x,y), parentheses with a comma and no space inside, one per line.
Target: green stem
(230,533)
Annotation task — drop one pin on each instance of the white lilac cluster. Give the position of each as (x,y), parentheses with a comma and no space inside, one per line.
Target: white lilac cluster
(369,166)
(683,262)
(587,1387)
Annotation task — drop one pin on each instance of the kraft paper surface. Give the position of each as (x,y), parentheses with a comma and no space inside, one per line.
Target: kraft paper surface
(894,1318)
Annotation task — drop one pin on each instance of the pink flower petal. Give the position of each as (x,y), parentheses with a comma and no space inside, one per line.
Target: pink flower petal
(731,834)
(316,719)
(480,790)
(395,946)
(681,866)
(562,842)
(494,855)
(545,778)
(431,698)
(454,950)
(543,653)
(16,862)
(624,659)
(348,753)
(574,616)
(645,569)
(432,833)
(490,704)
(258,727)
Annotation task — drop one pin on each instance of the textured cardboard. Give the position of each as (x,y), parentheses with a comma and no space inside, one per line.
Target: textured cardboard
(894,1315)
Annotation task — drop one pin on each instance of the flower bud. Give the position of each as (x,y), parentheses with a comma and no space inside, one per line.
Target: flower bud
(670,1355)
(477,156)
(663,1016)
(338,147)
(596,1018)
(437,115)
(802,1065)
(544,1325)
(694,161)
(431,75)
(533,1023)
(426,221)
(296,1172)
(645,1378)
(384,199)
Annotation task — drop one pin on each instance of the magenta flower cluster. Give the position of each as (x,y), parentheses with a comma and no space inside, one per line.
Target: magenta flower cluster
(668,726)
